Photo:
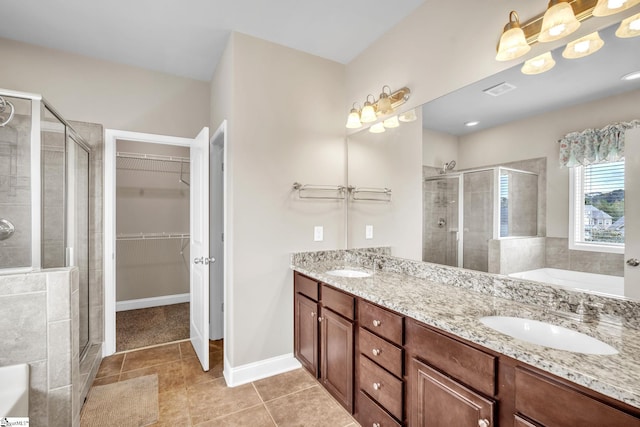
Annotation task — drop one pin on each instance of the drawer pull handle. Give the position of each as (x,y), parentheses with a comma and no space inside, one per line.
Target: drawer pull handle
(378,386)
(484,423)
(376,424)
(376,352)
(377,323)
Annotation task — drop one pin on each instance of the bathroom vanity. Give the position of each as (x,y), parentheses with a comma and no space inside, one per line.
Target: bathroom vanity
(396,349)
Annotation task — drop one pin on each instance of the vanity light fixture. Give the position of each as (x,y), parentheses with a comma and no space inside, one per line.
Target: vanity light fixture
(559,21)
(408,116)
(513,44)
(353,120)
(609,7)
(631,76)
(391,122)
(377,128)
(539,64)
(583,46)
(372,109)
(629,27)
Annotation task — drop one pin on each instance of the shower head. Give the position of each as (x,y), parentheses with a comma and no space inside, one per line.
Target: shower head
(448,166)
(4,104)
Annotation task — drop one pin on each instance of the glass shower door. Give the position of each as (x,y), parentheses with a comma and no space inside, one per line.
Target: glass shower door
(440,221)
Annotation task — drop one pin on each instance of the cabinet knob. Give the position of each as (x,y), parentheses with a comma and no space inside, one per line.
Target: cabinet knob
(377,323)
(319,318)
(484,423)
(313,314)
(376,424)
(376,351)
(377,386)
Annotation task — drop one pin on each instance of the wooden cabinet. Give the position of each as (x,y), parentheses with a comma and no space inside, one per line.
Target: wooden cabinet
(336,348)
(438,400)
(306,332)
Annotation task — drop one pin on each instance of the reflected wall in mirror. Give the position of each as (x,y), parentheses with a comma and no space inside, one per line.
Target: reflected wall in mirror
(453,216)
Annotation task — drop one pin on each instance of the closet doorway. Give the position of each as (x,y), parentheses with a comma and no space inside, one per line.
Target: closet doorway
(205,289)
(152,244)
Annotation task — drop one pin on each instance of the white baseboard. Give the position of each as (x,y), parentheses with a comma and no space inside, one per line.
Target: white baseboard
(257,370)
(134,304)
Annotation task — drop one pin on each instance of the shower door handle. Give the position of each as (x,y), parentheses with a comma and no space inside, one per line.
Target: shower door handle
(633,262)
(203,260)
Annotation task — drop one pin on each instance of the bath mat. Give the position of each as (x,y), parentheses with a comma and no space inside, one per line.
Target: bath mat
(130,403)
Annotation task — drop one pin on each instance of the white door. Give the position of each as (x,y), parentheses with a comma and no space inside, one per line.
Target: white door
(216,222)
(631,209)
(199,229)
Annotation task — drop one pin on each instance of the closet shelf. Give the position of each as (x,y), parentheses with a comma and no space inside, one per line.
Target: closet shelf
(152,163)
(152,236)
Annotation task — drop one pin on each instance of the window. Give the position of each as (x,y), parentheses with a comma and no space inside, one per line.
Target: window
(597,207)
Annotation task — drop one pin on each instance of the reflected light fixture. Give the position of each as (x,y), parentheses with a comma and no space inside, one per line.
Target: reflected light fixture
(609,7)
(377,128)
(408,116)
(631,76)
(558,21)
(391,122)
(368,113)
(629,27)
(539,64)
(583,46)
(353,120)
(513,44)
(472,123)
(384,103)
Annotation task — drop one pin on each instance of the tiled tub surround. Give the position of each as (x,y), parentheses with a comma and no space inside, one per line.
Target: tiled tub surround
(454,300)
(39,326)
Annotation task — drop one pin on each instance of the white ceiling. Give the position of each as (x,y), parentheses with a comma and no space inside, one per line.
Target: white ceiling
(187,37)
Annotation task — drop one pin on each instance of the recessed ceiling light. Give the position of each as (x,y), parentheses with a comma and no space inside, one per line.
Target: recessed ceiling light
(473,123)
(632,76)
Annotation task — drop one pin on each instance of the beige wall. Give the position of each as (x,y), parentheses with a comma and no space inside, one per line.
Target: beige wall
(537,137)
(285,125)
(438,148)
(114,95)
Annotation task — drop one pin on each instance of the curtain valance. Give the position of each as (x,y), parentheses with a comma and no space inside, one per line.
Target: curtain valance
(595,145)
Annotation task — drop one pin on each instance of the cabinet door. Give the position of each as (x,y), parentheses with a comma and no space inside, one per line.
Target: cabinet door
(438,401)
(336,348)
(306,332)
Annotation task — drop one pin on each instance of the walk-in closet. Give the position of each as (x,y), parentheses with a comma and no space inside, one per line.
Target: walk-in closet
(152,244)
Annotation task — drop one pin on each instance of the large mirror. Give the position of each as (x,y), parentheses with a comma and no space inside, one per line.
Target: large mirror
(493,197)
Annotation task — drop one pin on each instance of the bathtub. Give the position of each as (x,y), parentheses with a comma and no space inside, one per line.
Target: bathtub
(601,283)
(14,391)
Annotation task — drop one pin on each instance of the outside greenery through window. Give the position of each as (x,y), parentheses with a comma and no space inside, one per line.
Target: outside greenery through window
(599,219)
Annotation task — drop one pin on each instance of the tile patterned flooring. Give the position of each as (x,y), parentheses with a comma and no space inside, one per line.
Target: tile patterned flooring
(187,396)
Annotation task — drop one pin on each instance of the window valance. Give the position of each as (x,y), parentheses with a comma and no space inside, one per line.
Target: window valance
(595,145)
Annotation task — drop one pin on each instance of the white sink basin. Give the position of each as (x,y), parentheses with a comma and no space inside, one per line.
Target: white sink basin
(346,272)
(14,393)
(548,335)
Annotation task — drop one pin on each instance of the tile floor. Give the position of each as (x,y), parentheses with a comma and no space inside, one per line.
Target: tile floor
(187,396)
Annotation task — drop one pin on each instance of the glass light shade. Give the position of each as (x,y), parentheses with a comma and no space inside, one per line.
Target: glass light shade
(629,27)
(584,46)
(558,21)
(513,44)
(384,104)
(609,7)
(368,114)
(353,121)
(408,116)
(391,122)
(377,128)
(539,64)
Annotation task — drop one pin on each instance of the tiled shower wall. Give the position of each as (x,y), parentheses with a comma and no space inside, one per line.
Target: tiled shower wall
(558,255)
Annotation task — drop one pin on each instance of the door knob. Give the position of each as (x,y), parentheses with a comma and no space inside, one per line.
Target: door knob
(633,262)
(484,423)
(198,260)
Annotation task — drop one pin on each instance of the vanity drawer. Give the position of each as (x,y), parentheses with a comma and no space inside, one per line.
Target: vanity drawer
(370,414)
(547,402)
(381,386)
(470,366)
(306,286)
(338,302)
(381,322)
(381,351)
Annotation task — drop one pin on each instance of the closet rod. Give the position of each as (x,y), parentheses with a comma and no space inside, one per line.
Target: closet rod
(157,157)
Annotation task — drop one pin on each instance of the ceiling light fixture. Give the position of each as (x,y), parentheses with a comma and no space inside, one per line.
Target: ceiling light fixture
(539,64)
(609,7)
(631,76)
(629,27)
(388,102)
(513,44)
(583,46)
(472,123)
(559,21)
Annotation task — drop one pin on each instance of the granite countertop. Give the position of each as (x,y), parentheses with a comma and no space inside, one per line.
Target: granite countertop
(457,311)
